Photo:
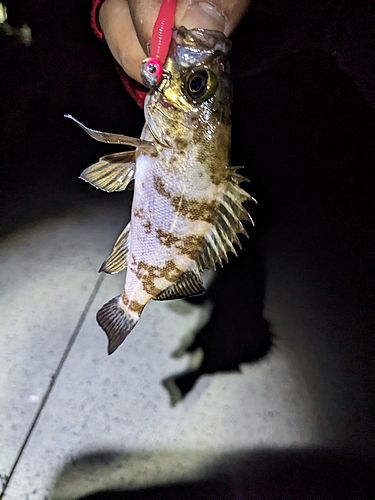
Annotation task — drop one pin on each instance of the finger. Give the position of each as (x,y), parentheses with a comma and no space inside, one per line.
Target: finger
(144,15)
(128,25)
(119,32)
(221,15)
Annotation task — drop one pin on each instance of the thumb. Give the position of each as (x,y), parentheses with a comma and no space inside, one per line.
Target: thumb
(221,15)
(203,15)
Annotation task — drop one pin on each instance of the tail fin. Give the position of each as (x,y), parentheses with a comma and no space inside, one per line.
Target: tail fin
(116,322)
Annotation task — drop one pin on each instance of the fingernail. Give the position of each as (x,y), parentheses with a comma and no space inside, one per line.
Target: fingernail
(203,15)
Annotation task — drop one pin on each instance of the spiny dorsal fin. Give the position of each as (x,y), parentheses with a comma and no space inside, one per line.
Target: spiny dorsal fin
(112,172)
(118,259)
(116,322)
(187,285)
(223,235)
(235,177)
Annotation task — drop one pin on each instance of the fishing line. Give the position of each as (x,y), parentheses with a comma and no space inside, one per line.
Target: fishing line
(99,281)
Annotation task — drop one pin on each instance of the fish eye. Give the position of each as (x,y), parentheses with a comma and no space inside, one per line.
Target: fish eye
(200,85)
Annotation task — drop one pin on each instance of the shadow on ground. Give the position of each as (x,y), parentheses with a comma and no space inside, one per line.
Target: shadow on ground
(236,331)
(258,475)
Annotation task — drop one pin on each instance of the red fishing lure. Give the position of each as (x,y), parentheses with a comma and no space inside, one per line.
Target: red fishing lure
(152,67)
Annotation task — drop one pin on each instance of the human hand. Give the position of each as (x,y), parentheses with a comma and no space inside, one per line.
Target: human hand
(127,24)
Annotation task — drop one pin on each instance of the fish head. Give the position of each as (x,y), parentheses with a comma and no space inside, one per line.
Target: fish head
(195,92)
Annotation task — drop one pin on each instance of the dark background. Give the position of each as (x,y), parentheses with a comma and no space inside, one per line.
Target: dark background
(303,124)
(303,78)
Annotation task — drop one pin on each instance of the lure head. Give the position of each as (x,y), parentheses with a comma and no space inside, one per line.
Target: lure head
(151,72)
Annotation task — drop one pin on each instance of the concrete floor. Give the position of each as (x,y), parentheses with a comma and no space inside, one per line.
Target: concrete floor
(75,421)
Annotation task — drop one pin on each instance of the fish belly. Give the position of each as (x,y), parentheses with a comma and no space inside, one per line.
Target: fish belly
(166,228)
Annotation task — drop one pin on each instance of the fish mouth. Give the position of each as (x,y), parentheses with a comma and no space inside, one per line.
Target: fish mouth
(166,104)
(160,107)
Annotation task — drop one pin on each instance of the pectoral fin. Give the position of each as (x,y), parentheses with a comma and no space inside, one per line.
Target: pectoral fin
(189,284)
(118,259)
(114,138)
(112,173)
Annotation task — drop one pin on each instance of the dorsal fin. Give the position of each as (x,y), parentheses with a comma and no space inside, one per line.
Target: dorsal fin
(223,235)
(188,284)
(118,259)
(112,172)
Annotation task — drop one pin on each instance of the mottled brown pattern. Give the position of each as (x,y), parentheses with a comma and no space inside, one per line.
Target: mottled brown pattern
(214,154)
(192,245)
(147,274)
(165,238)
(136,307)
(132,305)
(194,209)
(189,207)
(138,212)
(147,225)
(181,143)
(153,153)
(160,187)
(176,157)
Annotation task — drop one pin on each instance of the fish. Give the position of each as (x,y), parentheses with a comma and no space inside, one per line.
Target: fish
(187,209)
